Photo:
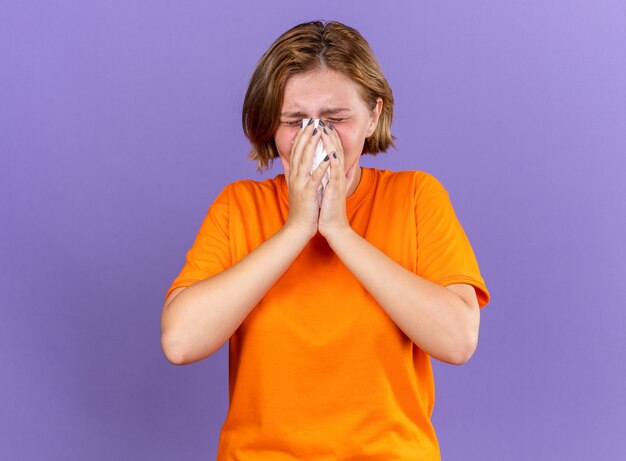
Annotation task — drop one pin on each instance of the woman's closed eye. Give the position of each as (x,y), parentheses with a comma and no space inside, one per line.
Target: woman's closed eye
(299,122)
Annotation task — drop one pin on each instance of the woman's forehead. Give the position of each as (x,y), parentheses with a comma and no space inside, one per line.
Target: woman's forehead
(327,91)
(318,77)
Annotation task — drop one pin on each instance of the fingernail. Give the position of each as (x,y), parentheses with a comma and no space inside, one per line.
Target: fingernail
(331,127)
(326,158)
(314,131)
(334,155)
(324,129)
(322,122)
(310,121)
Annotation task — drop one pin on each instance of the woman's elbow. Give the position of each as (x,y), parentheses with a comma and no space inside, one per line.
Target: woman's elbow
(180,351)
(467,338)
(465,350)
(172,350)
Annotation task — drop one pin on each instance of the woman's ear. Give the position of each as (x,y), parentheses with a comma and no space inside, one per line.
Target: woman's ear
(374,116)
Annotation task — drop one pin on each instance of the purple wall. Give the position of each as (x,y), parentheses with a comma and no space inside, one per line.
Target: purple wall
(120,122)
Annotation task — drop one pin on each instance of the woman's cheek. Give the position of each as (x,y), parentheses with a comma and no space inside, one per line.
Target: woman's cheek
(283,139)
(340,134)
(346,137)
(352,145)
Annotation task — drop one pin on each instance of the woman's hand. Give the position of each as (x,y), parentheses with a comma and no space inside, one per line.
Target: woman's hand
(303,208)
(333,216)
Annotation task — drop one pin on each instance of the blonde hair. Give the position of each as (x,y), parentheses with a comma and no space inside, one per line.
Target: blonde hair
(304,48)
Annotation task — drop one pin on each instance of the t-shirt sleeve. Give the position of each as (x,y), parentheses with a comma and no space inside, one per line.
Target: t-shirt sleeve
(444,253)
(210,253)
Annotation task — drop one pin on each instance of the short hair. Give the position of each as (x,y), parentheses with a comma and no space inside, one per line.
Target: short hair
(304,48)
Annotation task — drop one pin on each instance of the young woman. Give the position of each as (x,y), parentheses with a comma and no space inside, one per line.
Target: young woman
(332,313)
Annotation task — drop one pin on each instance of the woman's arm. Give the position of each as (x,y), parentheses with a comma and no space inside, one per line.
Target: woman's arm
(198,320)
(434,317)
(437,319)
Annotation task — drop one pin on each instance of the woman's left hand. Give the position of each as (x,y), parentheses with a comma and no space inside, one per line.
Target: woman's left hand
(333,218)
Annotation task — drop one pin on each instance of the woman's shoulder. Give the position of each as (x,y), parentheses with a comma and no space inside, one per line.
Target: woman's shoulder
(422,182)
(246,187)
(260,185)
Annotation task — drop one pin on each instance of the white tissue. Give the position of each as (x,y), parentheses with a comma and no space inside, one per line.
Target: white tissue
(318,158)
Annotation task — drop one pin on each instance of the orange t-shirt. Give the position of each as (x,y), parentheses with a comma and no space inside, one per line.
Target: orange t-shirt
(318,370)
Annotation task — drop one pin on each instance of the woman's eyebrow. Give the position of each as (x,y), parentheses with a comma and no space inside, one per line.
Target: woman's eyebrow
(328,111)
(294,114)
(334,110)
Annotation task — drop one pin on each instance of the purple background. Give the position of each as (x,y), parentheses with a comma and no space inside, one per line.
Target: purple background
(120,122)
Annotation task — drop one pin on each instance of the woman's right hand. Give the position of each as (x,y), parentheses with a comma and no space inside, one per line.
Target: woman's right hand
(303,206)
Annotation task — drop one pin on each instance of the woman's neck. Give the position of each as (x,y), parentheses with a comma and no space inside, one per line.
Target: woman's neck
(355,181)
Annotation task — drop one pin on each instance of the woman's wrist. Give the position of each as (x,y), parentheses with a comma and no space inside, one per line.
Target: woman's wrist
(297,234)
(337,236)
